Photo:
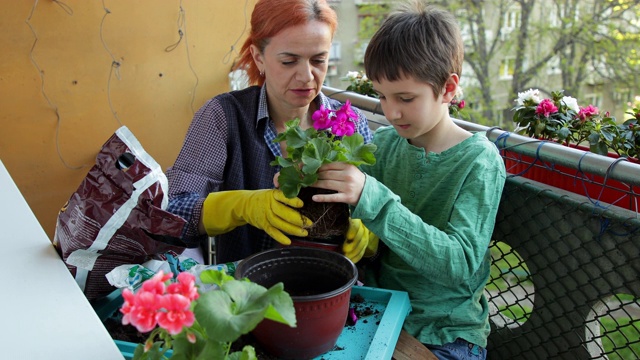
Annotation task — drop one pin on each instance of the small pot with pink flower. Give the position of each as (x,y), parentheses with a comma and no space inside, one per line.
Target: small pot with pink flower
(184,322)
(331,139)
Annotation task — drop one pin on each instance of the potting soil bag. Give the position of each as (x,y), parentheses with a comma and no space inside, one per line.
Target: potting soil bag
(116,216)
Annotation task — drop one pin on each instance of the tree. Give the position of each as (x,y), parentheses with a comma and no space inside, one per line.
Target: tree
(554,44)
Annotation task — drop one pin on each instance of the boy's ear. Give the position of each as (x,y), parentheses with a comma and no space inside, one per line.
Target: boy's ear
(450,88)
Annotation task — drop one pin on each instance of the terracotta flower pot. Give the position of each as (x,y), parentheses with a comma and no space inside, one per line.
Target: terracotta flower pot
(319,282)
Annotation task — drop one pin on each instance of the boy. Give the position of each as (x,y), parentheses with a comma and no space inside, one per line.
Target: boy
(433,194)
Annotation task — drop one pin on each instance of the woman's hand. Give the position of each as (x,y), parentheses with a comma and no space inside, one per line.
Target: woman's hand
(344,178)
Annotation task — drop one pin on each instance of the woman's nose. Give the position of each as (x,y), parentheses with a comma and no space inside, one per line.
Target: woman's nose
(305,73)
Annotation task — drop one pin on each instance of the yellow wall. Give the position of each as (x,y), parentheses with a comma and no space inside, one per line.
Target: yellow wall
(61,98)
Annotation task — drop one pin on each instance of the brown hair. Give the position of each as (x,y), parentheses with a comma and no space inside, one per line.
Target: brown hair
(269,17)
(416,40)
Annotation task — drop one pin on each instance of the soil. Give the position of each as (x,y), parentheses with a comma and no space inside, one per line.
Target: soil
(330,220)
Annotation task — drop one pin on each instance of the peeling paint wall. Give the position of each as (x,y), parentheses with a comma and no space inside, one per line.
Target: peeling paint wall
(72,72)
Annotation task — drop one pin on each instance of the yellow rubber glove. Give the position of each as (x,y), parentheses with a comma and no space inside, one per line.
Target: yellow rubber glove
(360,241)
(267,209)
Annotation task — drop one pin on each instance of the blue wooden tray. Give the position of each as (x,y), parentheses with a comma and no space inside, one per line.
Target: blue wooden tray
(373,337)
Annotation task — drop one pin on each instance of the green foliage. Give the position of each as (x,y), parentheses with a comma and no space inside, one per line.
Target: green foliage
(618,333)
(359,83)
(565,124)
(516,312)
(235,308)
(371,17)
(309,149)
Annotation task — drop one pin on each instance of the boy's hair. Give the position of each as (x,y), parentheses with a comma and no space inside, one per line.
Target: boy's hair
(416,40)
(269,17)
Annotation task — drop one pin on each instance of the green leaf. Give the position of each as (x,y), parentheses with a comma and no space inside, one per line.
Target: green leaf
(296,138)
(281,307)
(599,148)
(238,307)
(290,181)
(247,353)
(217,277)
(212,350)
(358,152)
(183,349)
(563,133)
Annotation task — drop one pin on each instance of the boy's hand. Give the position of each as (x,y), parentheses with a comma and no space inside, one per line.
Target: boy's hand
(346,179)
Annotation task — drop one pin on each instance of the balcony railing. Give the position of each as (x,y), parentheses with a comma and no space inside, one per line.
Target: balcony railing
(565,280)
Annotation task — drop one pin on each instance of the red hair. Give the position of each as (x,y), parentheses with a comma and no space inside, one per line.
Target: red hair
(269,17)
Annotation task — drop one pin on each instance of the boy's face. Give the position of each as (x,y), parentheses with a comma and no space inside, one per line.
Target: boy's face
(411,107)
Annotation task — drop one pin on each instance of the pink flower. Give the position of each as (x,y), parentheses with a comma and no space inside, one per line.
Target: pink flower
(546,108)
(343,124)
(321,118)
(186,286)
(346,112)
(343,127)
(587,112)
(156,284)
(176,314)
(140,309)
(461,104)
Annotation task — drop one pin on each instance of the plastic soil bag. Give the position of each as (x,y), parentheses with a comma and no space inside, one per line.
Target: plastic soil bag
(116,216)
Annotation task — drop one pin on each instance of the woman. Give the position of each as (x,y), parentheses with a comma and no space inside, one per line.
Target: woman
(222,182)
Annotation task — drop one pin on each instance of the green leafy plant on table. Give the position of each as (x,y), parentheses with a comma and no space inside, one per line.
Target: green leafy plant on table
(331,139)
(197,325)
(560,119)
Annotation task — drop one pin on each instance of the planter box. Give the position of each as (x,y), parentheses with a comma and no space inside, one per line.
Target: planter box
(373,337)
(593,187)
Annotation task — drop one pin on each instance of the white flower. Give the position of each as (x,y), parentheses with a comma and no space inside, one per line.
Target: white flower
(364,77)
(459,94)
(531,94)
(571,103)
(352,75)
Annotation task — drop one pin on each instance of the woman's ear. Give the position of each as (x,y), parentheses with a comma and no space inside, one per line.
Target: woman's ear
(256,54)
(450,88)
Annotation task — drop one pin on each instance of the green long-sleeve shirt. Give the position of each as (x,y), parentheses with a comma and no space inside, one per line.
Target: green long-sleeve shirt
(436,214)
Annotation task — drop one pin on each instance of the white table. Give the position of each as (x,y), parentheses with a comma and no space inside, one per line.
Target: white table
(45,315)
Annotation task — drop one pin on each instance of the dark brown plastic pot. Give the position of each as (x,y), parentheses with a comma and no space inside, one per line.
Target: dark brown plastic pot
(319,282)
(307,242)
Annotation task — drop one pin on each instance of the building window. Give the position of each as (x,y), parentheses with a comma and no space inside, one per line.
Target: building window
(335,54)
(594,99)
(507,67)
(510,22)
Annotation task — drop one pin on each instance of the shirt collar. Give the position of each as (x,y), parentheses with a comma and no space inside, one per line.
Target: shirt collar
(263,109)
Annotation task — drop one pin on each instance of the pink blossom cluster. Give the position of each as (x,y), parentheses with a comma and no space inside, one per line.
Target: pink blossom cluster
(341,121)
(587,112)
(157,303)
(546,108)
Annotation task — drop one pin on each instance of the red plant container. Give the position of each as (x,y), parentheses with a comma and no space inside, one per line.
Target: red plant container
(319,282)
(592,186)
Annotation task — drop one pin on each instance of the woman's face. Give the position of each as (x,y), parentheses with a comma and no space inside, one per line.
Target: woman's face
(294,63)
